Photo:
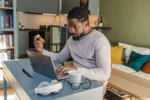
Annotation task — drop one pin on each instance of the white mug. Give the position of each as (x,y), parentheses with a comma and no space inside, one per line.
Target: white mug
(74,77)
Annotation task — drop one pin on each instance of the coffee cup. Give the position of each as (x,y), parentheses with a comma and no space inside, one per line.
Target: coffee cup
(74,77)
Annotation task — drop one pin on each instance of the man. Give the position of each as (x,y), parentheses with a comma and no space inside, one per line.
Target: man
(89,48)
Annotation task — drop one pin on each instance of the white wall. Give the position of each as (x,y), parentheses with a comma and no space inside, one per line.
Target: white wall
(92,19)
(33,21)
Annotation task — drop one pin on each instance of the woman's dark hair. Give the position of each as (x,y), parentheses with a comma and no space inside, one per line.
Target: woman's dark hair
(79,13)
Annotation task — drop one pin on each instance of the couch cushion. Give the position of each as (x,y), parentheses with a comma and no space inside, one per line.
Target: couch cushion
(116,54)
(123,68)
(123,55)
(142,75)
(146,68)
(130,48)
(137,61)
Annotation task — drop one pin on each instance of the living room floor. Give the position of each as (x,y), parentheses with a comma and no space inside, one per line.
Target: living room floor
(10,92)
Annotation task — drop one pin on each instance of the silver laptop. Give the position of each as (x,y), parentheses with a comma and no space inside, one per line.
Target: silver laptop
(44,65)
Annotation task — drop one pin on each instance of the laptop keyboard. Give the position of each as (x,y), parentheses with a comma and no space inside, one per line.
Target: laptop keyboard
(62,76)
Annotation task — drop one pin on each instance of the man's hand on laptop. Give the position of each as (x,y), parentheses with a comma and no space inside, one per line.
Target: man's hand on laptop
(39,45)
(65,69)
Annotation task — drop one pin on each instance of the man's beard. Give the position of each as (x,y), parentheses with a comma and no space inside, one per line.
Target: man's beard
(77,37)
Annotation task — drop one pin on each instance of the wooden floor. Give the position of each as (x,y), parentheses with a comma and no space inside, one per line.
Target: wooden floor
(10,94)
(9,90)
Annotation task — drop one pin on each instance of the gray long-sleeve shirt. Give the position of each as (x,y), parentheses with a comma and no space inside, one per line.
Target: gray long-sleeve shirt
(91,55)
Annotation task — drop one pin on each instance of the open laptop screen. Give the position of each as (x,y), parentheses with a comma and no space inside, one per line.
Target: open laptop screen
(42,64)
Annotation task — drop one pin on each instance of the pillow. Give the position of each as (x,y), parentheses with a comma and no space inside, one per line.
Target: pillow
(123,55)
(116,54)
(136,60)
(146,68)
(130,48)
(123,58)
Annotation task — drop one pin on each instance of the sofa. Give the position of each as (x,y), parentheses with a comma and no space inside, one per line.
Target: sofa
(136,83)
(129,70)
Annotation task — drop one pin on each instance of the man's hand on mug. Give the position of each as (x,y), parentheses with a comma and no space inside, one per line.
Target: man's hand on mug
(39,45)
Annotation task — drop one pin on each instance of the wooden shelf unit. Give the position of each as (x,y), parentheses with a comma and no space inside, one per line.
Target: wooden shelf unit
(8,26)
(6,8)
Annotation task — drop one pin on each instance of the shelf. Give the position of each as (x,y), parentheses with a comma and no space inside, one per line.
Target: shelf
(111,91)
(8,12)
(103,28)
(33,30)
(7,29)
(6,8)
(7,48)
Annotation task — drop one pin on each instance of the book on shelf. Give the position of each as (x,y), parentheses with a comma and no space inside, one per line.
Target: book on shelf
(0,3)
(6,21)
(1,21)
(5,3)
(6,55)
(11,21)
(6,40)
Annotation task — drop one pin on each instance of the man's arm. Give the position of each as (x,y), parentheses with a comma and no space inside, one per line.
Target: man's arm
(59,57)
(103,62)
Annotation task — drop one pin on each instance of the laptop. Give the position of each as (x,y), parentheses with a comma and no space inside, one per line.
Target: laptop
(44,65)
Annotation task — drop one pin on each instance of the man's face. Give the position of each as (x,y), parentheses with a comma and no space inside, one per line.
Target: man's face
(76,28)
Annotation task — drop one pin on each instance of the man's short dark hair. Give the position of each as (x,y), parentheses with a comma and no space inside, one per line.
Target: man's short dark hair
(79,13)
